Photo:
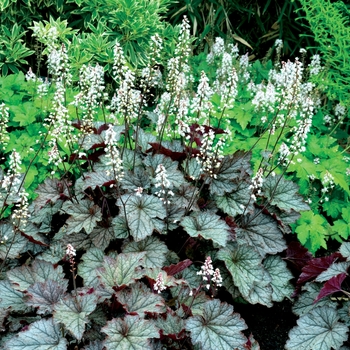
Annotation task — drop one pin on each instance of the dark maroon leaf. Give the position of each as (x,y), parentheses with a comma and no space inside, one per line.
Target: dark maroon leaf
(298,255)
(331,286)
(157,148)
(317,265)
(176,268)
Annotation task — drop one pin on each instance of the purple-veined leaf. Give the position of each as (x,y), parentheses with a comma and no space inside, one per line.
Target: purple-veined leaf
(73,312)
(31,233)
(87,269)
(227,282)
(217,328)
(93,179)
(261,232)
(84,215)
(261,292)
(134,179)
(193,168)
(144,139)
(175,176)
(80,240)
(128,159)
(130,332)
(45,295)
(120,227)
(236,202)
(318,329)
(154,248)
(94,345)
(306,300)
(122,270)
(10,298)
(141,213)
(281,276)
(252,344)
(54,253)
(13,243)
(207,225)
(139,299)
(101,236)
(50,191)
(4,313)
(24,276)
(41,335)
(171,325)
(232,168)
(331,286)
(284,194)
(244,264)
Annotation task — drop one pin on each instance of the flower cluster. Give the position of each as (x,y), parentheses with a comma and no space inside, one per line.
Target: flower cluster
(164,184)
(4,118)
(257,182)
(210,275)
(159,285)
(112,152)
(201,102)
(91,94)
(210,154)
(70,253)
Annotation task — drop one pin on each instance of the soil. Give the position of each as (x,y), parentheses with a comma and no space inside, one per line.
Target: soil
(269,326)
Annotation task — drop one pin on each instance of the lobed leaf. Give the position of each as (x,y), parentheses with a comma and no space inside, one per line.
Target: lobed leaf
(41,335)
(261,232)
(217,328)
(130,332)
(207,225)
(154,248)
(319,329)
(72,311)
(140,299)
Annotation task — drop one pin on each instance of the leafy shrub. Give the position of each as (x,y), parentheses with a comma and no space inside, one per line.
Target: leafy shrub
(163,200)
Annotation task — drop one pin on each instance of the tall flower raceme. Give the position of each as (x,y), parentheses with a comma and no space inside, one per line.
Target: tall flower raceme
(4,119)
(257,183)
(12,183)
(201,104)
(115,162)
(92,94)
(163,183)
(210,152)
(58,123)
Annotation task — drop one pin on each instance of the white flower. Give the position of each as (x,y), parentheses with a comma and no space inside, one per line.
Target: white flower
(159,285)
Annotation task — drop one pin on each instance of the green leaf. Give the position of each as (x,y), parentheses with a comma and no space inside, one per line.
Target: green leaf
(217,328)
(10,298)
(140,299)
(281,276)
(244,264)
(234,203)
(261,232)
(87,269)
(207,225)
(284,194)
(311,231)
(84,215)
(319,329)
(122,270)
(154,248)
(102,236)
(41,335)
(73,312)
(141,213)
(242,112)
(130,332)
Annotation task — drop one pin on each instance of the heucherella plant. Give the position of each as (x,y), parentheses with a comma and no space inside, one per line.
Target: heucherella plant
(149,226)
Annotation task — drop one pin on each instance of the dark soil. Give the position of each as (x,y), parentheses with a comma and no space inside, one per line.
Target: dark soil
(269,326)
